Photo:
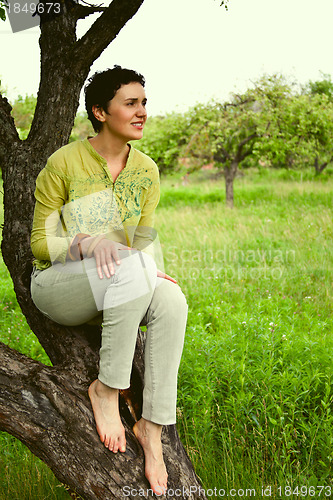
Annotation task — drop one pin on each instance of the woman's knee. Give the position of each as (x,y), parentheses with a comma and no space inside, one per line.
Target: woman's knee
(171,298)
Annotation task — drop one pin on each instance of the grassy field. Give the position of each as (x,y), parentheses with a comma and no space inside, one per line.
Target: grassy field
(256,378)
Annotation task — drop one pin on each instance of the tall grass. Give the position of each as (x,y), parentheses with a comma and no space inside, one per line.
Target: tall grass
(256,378)
(255,382)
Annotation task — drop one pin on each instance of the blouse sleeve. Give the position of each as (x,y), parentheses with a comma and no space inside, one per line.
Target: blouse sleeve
(48,238)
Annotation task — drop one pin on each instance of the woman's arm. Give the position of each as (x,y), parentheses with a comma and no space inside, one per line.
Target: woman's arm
(49,240)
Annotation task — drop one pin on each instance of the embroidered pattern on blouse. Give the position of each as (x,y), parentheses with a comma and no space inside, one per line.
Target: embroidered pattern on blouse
(93,210)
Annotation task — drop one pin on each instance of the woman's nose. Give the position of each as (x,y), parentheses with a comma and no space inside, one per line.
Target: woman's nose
(142,111)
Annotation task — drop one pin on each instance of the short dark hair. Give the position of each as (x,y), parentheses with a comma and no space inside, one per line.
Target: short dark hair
(102,87)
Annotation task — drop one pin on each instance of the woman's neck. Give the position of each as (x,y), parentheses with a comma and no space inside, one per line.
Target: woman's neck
(111,148)
(114,152)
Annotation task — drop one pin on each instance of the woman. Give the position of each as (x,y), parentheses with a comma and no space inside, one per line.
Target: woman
(93,241)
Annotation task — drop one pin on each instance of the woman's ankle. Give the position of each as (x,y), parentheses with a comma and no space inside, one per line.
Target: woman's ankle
(103,390)
(149,429)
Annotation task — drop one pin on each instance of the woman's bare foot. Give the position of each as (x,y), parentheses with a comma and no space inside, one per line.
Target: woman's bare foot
(104,401)
(149,436)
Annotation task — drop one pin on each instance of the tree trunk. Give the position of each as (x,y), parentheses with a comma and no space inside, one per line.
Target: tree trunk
(320,168)
(229,175)
(48,408)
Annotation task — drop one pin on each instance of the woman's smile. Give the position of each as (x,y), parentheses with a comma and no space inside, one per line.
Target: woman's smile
(126,114)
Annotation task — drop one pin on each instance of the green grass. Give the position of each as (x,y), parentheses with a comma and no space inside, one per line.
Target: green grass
(256,378)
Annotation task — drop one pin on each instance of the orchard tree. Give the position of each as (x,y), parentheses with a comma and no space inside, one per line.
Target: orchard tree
(321,92)
(164,138)
(323,86)
(47,408)
(316,130)
(300,131)
(225,134)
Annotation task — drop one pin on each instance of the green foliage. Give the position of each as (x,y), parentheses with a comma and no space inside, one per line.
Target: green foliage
(323,86)
(82,127)
(224,133)
(26,477)
(3,4)
(164,137)
(23,112)
(275,123)
(300,126)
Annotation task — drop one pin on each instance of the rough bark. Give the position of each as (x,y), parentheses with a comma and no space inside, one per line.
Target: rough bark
(47,408)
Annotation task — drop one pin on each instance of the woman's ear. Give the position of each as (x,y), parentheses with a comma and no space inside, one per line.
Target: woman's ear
(98,112)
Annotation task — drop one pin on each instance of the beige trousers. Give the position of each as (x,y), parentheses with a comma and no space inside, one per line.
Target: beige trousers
(73,294)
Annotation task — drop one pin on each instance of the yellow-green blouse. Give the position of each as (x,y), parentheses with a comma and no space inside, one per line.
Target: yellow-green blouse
(75,193)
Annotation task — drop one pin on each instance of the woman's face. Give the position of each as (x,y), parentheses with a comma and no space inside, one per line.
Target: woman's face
(126,113)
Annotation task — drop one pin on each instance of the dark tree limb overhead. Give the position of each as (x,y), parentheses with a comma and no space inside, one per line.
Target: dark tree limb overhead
(104,30)
(85,9)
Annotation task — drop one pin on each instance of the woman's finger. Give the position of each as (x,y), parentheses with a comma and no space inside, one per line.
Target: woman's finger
(101,263)
(105,263)
(109,263)
(115,255)
(165,276)
(105,253)
(98,265)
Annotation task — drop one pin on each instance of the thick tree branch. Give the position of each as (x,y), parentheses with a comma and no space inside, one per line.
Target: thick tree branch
(247,139)
(49,412)
(104,30)
(48,409)
(222,155)
(83,11)
(319,168)
(240,155)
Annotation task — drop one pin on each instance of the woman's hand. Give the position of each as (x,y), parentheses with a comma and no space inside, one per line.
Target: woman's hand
(160,274)
(105,253)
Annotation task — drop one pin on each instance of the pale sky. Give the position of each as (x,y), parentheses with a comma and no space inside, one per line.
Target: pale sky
(192,50)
